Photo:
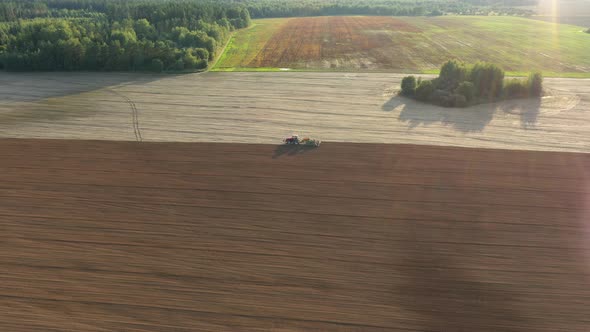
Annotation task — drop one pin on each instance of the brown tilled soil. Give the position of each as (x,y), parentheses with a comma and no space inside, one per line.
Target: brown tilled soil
(306,40)
(123,236)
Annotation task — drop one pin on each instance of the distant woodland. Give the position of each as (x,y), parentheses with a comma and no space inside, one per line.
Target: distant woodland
(171,35)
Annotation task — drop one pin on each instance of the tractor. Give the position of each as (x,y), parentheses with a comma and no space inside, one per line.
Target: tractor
(306,141)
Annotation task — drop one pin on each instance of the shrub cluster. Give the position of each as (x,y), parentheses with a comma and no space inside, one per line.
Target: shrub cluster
(460,85)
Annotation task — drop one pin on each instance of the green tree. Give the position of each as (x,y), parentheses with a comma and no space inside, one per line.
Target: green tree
(451,74)
(516,88)
(488,80)
(73,53)
(201,53)
(144,30)
(424,90)
(190,61)
(535,84)
(178,65)
(408,86)
(466,89)
(124,36)
(157,66)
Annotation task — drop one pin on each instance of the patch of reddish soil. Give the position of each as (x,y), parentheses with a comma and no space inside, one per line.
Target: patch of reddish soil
(326,38)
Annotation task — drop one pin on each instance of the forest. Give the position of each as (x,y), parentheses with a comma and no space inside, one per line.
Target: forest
(171,35)
(282,8)
(115,35)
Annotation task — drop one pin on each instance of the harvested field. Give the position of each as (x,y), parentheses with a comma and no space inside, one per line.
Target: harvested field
(123,236)
(265,107)
(408,44)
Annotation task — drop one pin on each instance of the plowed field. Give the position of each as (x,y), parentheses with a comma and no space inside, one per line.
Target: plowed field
(316,39)
(123,236)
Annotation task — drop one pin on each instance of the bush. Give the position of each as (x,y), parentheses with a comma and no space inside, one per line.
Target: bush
(516,88)
(424,90)
(588,31)
(178,65)
(535,84)
(201,53)
(408,86)
(466,89)
(488,80)
(201,64)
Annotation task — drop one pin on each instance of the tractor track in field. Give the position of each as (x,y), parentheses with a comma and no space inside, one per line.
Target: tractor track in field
(134,114)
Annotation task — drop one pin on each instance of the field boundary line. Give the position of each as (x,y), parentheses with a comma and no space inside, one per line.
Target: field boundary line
(220,55)
(229,41)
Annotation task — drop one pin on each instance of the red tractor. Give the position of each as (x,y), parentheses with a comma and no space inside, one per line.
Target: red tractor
(293,140)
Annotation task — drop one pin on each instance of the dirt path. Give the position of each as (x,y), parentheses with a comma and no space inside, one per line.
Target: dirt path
(264,107)
(122,236)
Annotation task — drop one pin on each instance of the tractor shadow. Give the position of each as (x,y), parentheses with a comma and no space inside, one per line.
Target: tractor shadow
(291,150)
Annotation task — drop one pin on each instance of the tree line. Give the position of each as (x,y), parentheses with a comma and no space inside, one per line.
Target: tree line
(11,10)
(114,35)
(283,8)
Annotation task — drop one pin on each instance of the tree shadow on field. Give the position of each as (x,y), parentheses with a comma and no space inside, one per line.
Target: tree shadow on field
(448,299)
(445,287)
(34,86)
(465,120)
(394,103)
(527,109)
(291,150)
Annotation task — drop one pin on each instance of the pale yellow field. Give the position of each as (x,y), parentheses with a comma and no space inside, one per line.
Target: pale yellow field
(264,107)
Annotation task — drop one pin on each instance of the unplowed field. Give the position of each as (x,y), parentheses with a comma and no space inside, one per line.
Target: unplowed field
(123,236)
(265,107)
(408,44)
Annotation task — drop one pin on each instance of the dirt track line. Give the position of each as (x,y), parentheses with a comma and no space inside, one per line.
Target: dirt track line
(134,115)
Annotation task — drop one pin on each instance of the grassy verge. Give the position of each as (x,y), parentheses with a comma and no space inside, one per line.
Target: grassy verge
(425,72)
(526,74)
(244,44)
